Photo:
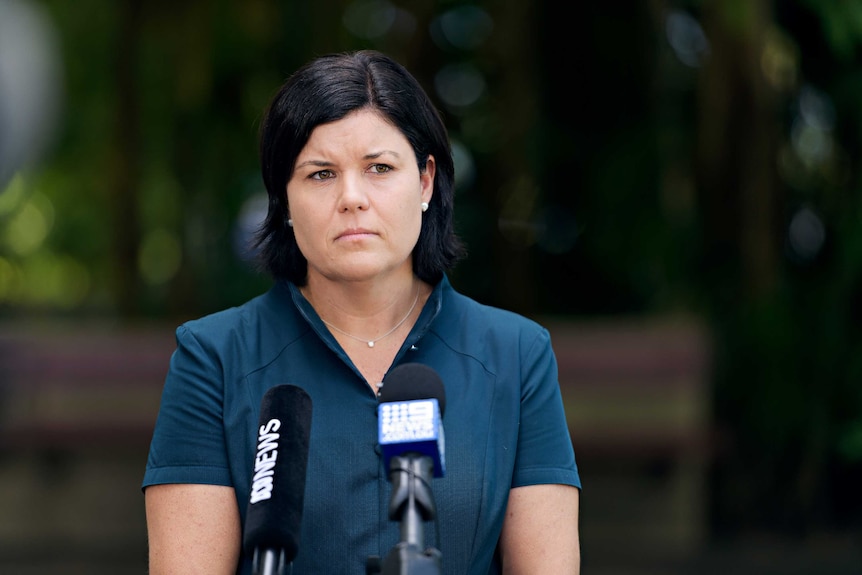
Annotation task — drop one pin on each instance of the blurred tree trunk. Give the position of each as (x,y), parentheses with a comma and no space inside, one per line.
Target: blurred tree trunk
(511,189)
(736,151)
(125,162)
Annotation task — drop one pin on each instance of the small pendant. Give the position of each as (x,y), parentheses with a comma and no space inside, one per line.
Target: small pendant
(370,344)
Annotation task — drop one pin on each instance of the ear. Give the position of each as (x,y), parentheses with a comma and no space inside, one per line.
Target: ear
(426,179)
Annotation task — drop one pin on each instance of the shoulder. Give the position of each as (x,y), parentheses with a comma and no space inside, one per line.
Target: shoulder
(259,322)
(220,324)
(486,315)
(464,319)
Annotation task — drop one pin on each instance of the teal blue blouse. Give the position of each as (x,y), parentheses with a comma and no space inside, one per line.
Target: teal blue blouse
(504,422)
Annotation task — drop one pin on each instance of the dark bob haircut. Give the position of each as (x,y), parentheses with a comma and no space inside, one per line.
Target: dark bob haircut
(325,90)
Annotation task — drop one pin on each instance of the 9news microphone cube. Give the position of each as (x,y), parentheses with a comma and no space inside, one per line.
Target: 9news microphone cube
(412,427)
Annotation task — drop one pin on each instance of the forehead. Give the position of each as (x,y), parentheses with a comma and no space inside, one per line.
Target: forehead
(363,130)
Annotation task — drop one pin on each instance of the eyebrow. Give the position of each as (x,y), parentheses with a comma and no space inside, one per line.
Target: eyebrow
(326,164)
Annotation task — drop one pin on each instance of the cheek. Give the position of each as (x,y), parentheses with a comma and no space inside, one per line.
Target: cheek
(412,225)
(303,231)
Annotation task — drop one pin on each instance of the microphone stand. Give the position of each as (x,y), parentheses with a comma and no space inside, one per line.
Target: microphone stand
(270,562)
(411,503)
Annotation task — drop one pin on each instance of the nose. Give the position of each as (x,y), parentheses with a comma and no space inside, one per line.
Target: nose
(353,195)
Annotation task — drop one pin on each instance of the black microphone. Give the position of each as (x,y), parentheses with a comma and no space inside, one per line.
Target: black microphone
(274,516)
(412,401)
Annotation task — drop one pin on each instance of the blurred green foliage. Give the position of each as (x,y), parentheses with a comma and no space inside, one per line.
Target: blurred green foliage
(698,158)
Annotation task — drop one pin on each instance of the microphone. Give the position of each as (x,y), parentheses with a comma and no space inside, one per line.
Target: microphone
(412,401)
(274,516)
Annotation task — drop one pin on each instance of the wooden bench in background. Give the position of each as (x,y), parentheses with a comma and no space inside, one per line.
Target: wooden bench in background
(77,408)
(78,403)
(638,401)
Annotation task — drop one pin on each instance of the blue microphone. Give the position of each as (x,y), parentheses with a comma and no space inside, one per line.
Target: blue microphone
(412,403)
(410,428)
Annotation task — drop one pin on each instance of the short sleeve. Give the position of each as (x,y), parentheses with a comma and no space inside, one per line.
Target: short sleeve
(188,444)
(545,453)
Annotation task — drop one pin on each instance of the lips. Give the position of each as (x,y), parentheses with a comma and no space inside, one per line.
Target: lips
(354,233)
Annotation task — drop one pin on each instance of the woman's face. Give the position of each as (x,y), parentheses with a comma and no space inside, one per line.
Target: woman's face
(355,198)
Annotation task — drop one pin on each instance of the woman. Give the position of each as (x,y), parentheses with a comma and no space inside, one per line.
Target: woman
(359,238)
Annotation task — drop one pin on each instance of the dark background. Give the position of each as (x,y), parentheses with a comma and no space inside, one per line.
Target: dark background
(630,163)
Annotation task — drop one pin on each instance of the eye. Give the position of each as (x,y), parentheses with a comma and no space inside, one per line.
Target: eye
(322,175)
(381,168)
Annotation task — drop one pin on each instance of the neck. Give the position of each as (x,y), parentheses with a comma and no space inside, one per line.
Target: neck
(366,314)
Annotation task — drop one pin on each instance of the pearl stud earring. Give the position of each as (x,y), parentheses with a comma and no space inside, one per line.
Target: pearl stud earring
(424,206)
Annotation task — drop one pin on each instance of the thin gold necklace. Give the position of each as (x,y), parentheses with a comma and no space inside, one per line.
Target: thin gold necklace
(371,342)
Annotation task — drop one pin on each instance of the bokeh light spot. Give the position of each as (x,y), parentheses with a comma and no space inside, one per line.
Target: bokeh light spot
(806,234)
(10,280)
(465,27)
(30,75)
(369,18)
(159,257)
(687,38)
(459,85)
(465,166)
(12,196)
(28,227)
(251,218)
(56,281)
(779,60)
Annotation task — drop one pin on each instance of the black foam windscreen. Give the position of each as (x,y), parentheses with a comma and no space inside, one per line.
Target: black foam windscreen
(274,516)
(411,381)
